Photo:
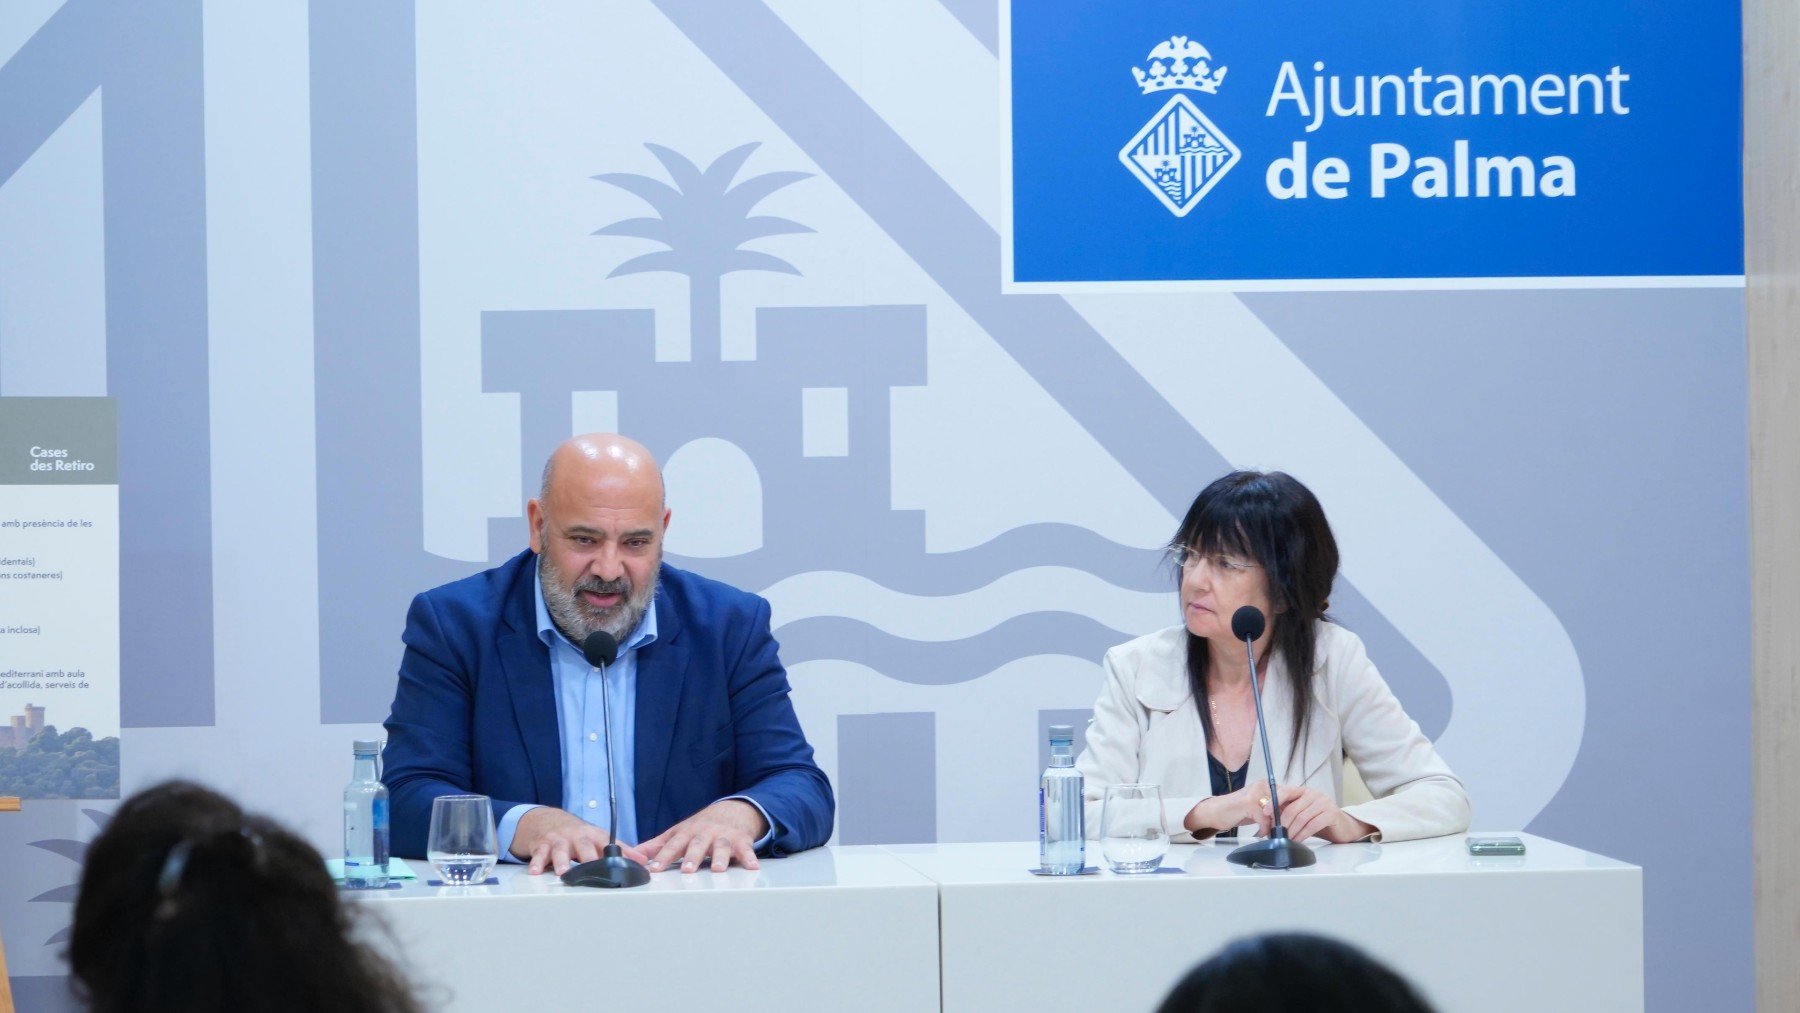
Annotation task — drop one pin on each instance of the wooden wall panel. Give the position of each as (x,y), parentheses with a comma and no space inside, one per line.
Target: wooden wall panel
(1772,238)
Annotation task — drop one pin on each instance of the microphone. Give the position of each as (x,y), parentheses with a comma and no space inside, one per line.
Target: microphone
(602,648)
(1275,851)
(612,869)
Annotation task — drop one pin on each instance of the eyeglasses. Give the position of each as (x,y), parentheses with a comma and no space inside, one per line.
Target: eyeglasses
(1218,562)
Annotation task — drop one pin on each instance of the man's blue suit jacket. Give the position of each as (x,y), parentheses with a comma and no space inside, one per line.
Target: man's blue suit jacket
(475,710)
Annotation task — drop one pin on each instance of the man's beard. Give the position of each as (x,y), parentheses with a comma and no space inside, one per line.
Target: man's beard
(577,619)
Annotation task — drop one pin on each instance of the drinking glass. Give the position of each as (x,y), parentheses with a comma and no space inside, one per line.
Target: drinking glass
(1133,837)
(461,846)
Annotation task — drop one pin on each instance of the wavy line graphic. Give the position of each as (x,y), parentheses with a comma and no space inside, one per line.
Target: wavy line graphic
(945,573)
(946,663)
(1036,589)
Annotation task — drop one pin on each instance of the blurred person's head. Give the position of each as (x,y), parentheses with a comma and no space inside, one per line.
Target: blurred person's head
(1292,973)
(188,903)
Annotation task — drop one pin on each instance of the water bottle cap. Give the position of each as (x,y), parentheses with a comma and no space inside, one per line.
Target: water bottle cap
(1062,733)
(368,747)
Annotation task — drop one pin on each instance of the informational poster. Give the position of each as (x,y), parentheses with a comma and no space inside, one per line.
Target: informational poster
(1444,144)
(59,598)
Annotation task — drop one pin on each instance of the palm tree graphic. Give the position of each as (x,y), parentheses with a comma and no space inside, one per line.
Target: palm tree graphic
(704,221)
(75,851)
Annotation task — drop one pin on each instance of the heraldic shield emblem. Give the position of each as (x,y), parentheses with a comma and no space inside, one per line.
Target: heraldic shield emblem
(1180,154)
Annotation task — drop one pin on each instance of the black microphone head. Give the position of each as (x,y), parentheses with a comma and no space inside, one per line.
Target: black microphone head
(1246,623)
(601,647)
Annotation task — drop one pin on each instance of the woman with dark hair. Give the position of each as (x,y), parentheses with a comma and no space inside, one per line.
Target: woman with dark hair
(1292,973)
(1177,709)
(189,904)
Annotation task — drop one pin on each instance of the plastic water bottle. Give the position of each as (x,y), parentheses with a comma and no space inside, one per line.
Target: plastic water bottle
(1062,836)
(366,821)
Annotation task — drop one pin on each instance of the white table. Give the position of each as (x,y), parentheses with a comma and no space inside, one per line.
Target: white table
(881,928)
(826,929)
(1557,928)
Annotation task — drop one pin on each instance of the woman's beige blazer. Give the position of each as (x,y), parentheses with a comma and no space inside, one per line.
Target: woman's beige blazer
(1146,729)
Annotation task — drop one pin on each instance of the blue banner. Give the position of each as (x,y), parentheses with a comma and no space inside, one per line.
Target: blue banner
(1157,142)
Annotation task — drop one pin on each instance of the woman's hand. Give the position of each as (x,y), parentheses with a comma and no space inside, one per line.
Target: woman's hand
(1306,812)
(1309,812)
(1241,808)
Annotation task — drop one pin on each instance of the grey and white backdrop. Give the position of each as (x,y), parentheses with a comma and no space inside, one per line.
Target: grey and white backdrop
(351,269)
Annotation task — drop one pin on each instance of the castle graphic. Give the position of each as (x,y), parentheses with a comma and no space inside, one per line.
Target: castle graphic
(818,369)
(19,730)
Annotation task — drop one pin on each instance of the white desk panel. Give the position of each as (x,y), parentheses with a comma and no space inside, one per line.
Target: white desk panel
(1557,928)
(826,929)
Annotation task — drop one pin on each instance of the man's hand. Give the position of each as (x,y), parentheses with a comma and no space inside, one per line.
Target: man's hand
(722,831)
(558,839)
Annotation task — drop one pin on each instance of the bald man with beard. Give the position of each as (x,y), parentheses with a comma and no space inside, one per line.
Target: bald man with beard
(495,697)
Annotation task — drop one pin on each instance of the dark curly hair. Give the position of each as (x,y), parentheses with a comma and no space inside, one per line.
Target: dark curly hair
(190,904)
(1292,972)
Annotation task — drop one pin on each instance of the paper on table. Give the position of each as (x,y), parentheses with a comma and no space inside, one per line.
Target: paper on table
(397,869)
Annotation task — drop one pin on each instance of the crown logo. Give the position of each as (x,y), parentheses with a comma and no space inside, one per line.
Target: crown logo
(1179,64)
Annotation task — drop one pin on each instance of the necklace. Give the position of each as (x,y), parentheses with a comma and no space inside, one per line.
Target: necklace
(1212,704)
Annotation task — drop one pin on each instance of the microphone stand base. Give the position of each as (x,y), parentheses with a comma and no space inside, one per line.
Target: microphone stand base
(612,870)
(1277,852)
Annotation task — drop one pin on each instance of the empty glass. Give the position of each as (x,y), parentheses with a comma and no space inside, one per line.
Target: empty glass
(1133,836)
(461,846)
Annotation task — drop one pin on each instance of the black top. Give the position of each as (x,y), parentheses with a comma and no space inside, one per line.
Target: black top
(1224,782)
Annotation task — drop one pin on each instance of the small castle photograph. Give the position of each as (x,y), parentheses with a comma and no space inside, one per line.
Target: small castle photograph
(37,761)
(18,732)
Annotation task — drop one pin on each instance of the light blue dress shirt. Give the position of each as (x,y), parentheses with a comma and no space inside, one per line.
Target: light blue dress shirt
(585,733)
